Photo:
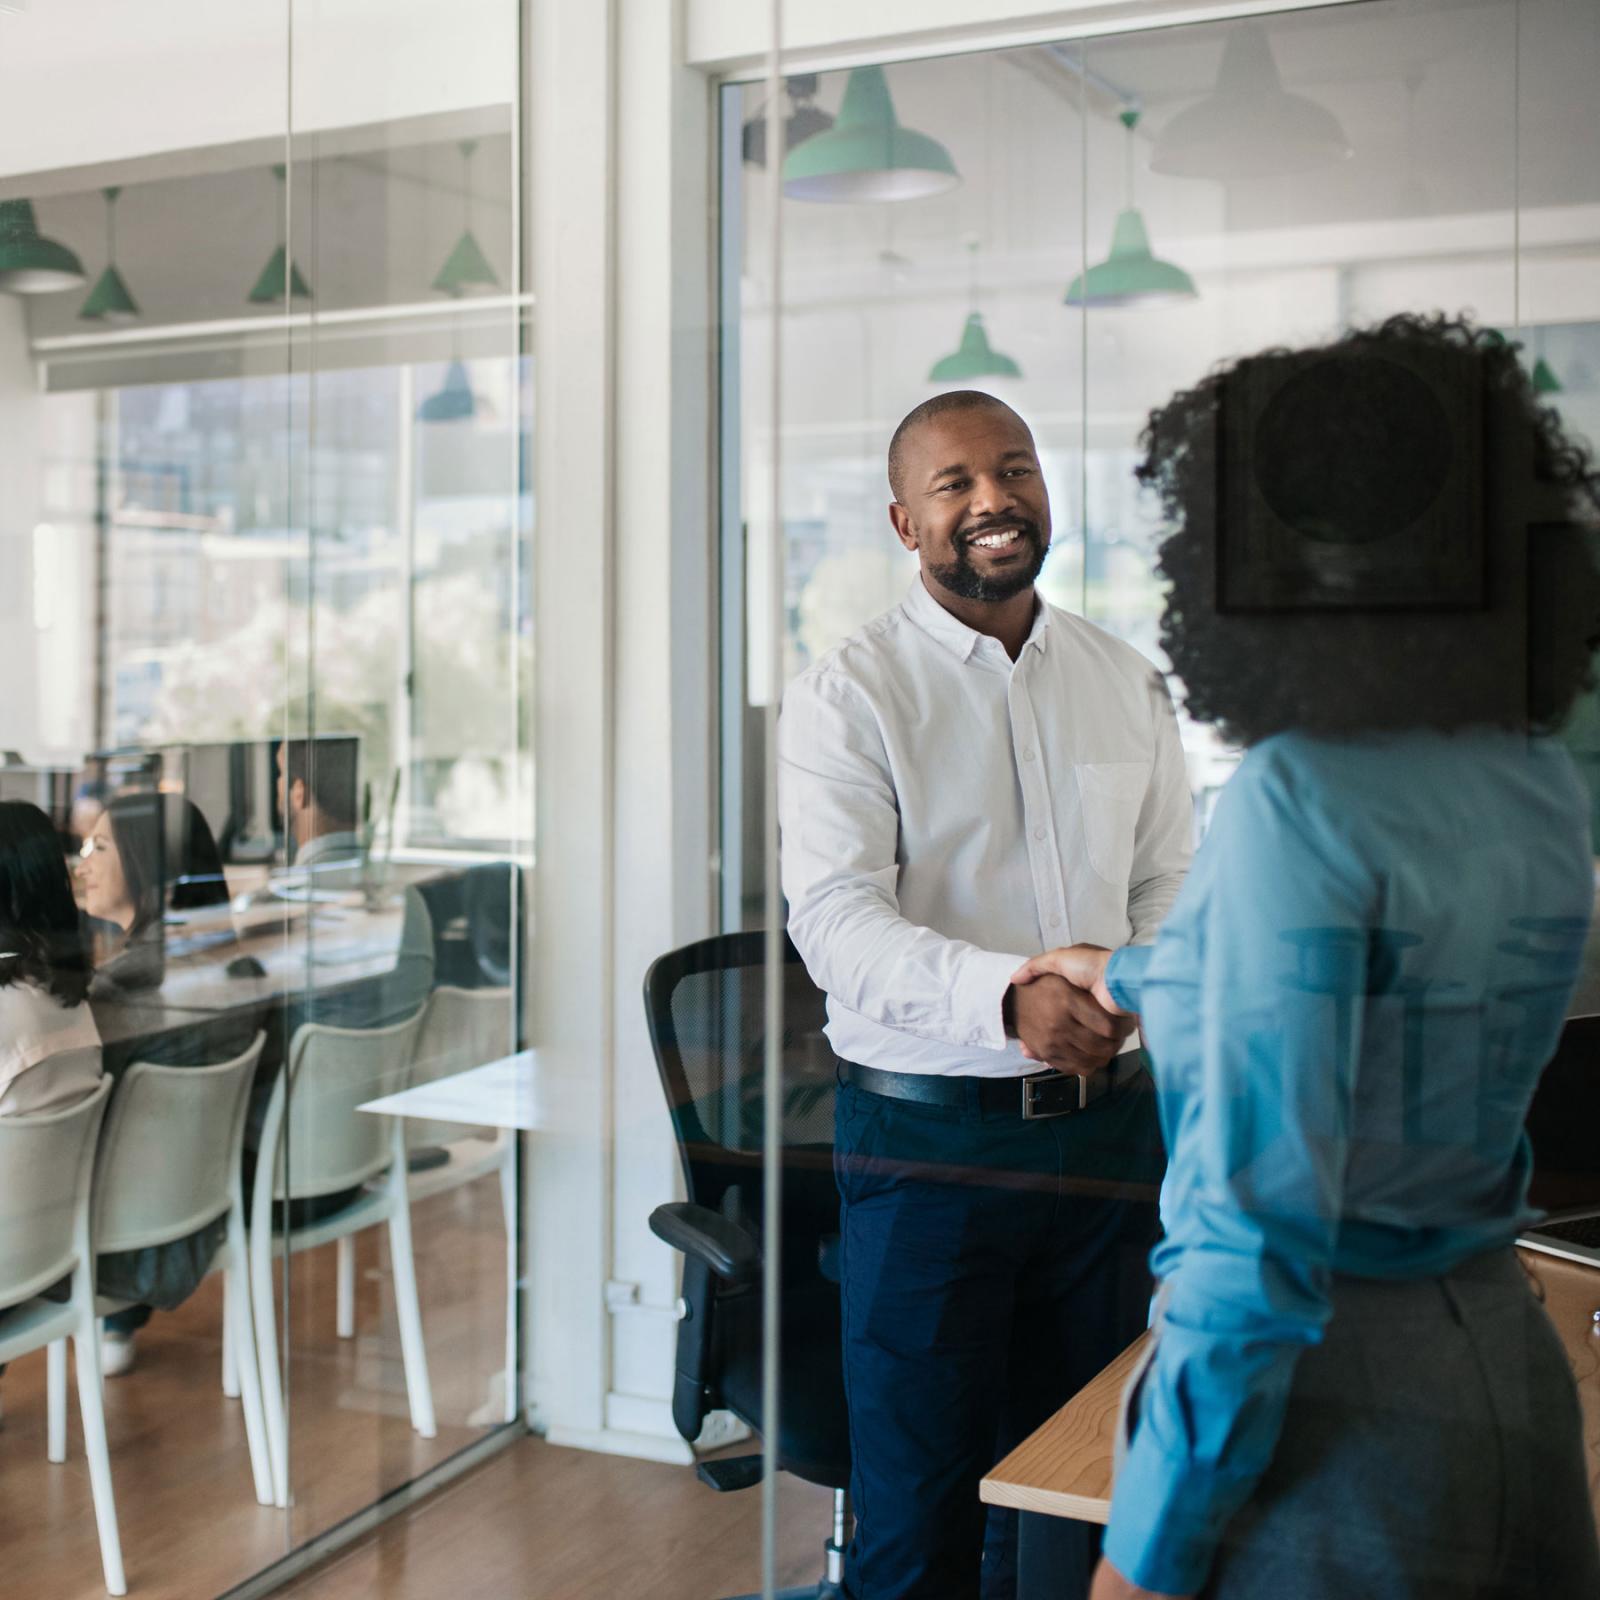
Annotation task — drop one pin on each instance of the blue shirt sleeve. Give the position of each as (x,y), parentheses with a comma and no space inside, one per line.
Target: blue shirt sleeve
(1271,967)
(1125,974)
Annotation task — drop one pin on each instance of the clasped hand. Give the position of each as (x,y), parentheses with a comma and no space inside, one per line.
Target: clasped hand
(1064,1014)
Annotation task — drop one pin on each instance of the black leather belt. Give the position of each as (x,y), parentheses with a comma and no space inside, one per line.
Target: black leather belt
(1040,1094)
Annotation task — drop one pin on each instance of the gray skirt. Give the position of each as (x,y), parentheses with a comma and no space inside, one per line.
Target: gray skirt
(1432,1450)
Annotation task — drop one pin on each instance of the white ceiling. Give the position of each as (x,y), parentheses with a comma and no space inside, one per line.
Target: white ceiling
(86,85)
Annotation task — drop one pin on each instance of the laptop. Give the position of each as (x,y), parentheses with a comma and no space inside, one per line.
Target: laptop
(1572,1235)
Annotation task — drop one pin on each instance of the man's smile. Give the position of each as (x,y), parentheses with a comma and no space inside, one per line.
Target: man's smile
(999,539)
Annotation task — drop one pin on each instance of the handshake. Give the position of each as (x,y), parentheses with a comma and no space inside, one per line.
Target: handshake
(1058,1005)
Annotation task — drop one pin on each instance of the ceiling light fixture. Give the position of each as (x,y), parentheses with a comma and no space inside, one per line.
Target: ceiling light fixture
(1249,126)
(453,400)
(280,276)
(805,119)
(866,155)
(30,263)
(1131,274)
(466,269)
(109,300)
(974,357)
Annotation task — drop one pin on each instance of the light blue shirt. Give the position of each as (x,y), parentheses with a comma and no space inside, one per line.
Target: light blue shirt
(1348,1009)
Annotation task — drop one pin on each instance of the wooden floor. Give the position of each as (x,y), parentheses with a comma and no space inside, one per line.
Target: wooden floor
(541,1523)
(190,1524)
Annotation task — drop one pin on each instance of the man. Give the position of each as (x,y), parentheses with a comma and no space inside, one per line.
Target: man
(317,797)
(970,775)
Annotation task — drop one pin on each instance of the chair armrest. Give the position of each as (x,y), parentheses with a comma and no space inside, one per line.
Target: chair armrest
(726,1248)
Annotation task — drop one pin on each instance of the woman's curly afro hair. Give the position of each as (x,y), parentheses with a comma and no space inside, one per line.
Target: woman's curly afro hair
(1517,662)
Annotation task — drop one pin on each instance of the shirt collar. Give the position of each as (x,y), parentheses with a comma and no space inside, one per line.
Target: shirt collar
(328,846)
(956,637)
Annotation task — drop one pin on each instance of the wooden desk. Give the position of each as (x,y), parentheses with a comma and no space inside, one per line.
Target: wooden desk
(1063,1469)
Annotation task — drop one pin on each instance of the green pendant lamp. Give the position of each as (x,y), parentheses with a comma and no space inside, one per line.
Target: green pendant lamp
(1131,274)
(280,278)
(454,400)
(466,269)
(109,300)
(973,358)
(866,155)
(30,263)
(1544,379)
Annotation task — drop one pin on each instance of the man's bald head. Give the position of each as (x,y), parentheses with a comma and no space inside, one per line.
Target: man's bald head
(940,405)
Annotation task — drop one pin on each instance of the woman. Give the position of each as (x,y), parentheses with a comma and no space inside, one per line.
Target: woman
(49,1045)
(123,873)
(147,852)
(1353,1391)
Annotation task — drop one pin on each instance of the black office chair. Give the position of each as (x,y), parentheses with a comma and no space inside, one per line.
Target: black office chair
(708,1025)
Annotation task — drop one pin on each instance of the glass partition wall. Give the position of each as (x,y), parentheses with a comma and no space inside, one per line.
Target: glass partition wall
(267,642)
(1449,177)
(1084,230)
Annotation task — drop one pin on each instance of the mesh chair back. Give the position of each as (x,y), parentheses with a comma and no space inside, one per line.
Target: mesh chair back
(461,1029)
(169,1151)
(708,1023)
(329,1144)
(44,1166)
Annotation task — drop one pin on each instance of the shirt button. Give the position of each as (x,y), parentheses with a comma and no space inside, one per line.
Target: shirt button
(1038,833)
(1055,922)
(1027,755)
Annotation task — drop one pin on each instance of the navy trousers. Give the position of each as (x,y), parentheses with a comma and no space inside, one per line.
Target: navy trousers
(989,1268)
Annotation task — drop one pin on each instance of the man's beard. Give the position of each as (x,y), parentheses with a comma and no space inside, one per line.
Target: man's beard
(962,579)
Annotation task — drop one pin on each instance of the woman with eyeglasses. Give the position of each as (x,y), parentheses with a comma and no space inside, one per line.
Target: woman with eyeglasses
(147,854)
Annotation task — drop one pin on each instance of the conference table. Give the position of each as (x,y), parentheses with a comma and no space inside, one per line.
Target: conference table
(301,947)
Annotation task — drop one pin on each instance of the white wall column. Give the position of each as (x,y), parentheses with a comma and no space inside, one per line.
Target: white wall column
(570,175)
(618,184)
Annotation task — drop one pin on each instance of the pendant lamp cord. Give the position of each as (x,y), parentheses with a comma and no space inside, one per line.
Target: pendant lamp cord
(468,149)
(1129,118)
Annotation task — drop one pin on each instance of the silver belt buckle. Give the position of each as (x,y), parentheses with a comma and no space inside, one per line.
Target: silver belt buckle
(1034,1090)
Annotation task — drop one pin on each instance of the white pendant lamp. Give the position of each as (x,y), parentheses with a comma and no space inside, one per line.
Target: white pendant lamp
(1249,126)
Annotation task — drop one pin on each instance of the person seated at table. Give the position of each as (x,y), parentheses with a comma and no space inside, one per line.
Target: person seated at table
(318,798)
(1352,1390)
(148,853)
(122,872)
(49,1044)
(317,795)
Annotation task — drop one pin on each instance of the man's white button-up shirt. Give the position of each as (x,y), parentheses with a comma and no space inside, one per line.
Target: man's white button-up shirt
(947,813)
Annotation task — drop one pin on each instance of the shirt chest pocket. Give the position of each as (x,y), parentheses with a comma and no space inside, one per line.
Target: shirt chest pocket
(1110,794)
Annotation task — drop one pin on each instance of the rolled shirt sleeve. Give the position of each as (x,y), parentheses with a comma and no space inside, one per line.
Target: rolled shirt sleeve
(840,824)
(1164,837)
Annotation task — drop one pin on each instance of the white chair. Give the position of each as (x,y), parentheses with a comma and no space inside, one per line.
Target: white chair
(167,1165)
(46,1166)
(313,1143)
(462,1029)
